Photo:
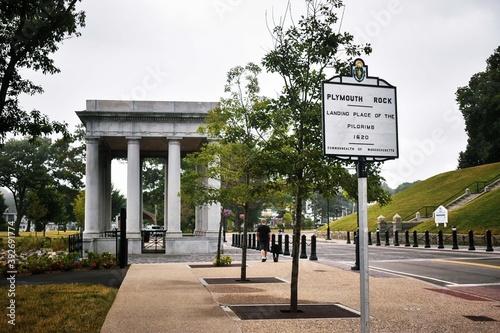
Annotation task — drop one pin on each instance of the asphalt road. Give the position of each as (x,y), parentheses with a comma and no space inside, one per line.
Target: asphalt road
(444,267)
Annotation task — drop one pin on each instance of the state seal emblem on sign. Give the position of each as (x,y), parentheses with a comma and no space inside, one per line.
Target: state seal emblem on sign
(358,70)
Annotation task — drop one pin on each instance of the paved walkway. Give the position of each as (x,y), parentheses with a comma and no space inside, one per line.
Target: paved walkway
(173,297)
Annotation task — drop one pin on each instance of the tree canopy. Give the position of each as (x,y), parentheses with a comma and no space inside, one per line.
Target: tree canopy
(30,31)
(37,169)
(479,103)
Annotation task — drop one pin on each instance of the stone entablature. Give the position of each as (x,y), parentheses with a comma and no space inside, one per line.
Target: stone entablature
(144,118)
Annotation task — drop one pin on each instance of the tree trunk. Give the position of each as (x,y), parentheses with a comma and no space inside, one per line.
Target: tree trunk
(217,258)
(294,285)
(17,224)
(244,244)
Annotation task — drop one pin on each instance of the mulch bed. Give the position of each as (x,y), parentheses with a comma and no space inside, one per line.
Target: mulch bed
(239,281)
(210,266)
(282,311)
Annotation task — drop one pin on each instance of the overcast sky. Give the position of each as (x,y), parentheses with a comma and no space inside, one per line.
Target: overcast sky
(182,50)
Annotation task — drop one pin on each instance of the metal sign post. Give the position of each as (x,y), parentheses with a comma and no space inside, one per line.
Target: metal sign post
(360,125)
(364,297)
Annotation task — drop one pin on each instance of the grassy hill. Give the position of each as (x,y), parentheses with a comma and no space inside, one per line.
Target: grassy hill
(480,215)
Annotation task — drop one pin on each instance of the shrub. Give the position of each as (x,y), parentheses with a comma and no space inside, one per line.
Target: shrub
(223,261)
(105,260)
(43,262)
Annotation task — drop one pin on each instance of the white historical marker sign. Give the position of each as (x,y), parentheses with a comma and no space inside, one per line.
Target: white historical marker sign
(441,216)
(360,116)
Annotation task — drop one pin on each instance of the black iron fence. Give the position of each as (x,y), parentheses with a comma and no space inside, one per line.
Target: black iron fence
(75,243)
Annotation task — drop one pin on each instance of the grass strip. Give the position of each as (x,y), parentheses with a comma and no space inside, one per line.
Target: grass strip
(57,308)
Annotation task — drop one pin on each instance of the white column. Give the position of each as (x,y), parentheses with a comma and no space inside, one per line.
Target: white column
(133,187)
(107,194)
(141,195)
(165,197)
(213,212)
(174,188)
(200,226)
(92,212)
(198,221)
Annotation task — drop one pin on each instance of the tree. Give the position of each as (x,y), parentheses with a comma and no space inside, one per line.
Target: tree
(78,205)
(375,190)
(479,103)
(23,167)
(29,32)
(3,208)
(118,201)
(153,171)
(35,211)
(292,122)
(235,158)
(46,204)
(67,165)
(30,166)
(404,186)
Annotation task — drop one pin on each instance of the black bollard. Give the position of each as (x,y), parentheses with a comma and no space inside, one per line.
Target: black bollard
(387,243)
(489,246)
(378,238)
(427,240)
(280,243)
(440,240)
(396,238)
(274,248)
(348,237)
(249,241)
(303,253)
(369,238)
(356,250)
(407,238)
(415,239)
(254,241)
(287,246)
(232,240)
(313,255)
(355,237)
(471,241)
(455,239)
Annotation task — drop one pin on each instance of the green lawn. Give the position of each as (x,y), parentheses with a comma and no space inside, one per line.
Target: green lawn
(58,241)
(479,216)
(56,308)
(51,234)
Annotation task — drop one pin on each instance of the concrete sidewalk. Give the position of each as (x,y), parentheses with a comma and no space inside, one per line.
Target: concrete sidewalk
(172,297)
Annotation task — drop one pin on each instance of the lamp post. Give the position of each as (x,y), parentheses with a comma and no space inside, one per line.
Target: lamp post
(328,219)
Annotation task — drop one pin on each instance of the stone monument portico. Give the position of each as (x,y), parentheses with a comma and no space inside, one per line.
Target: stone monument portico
(136,130)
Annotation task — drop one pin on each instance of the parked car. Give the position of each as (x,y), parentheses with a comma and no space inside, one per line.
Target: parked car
(156,227)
